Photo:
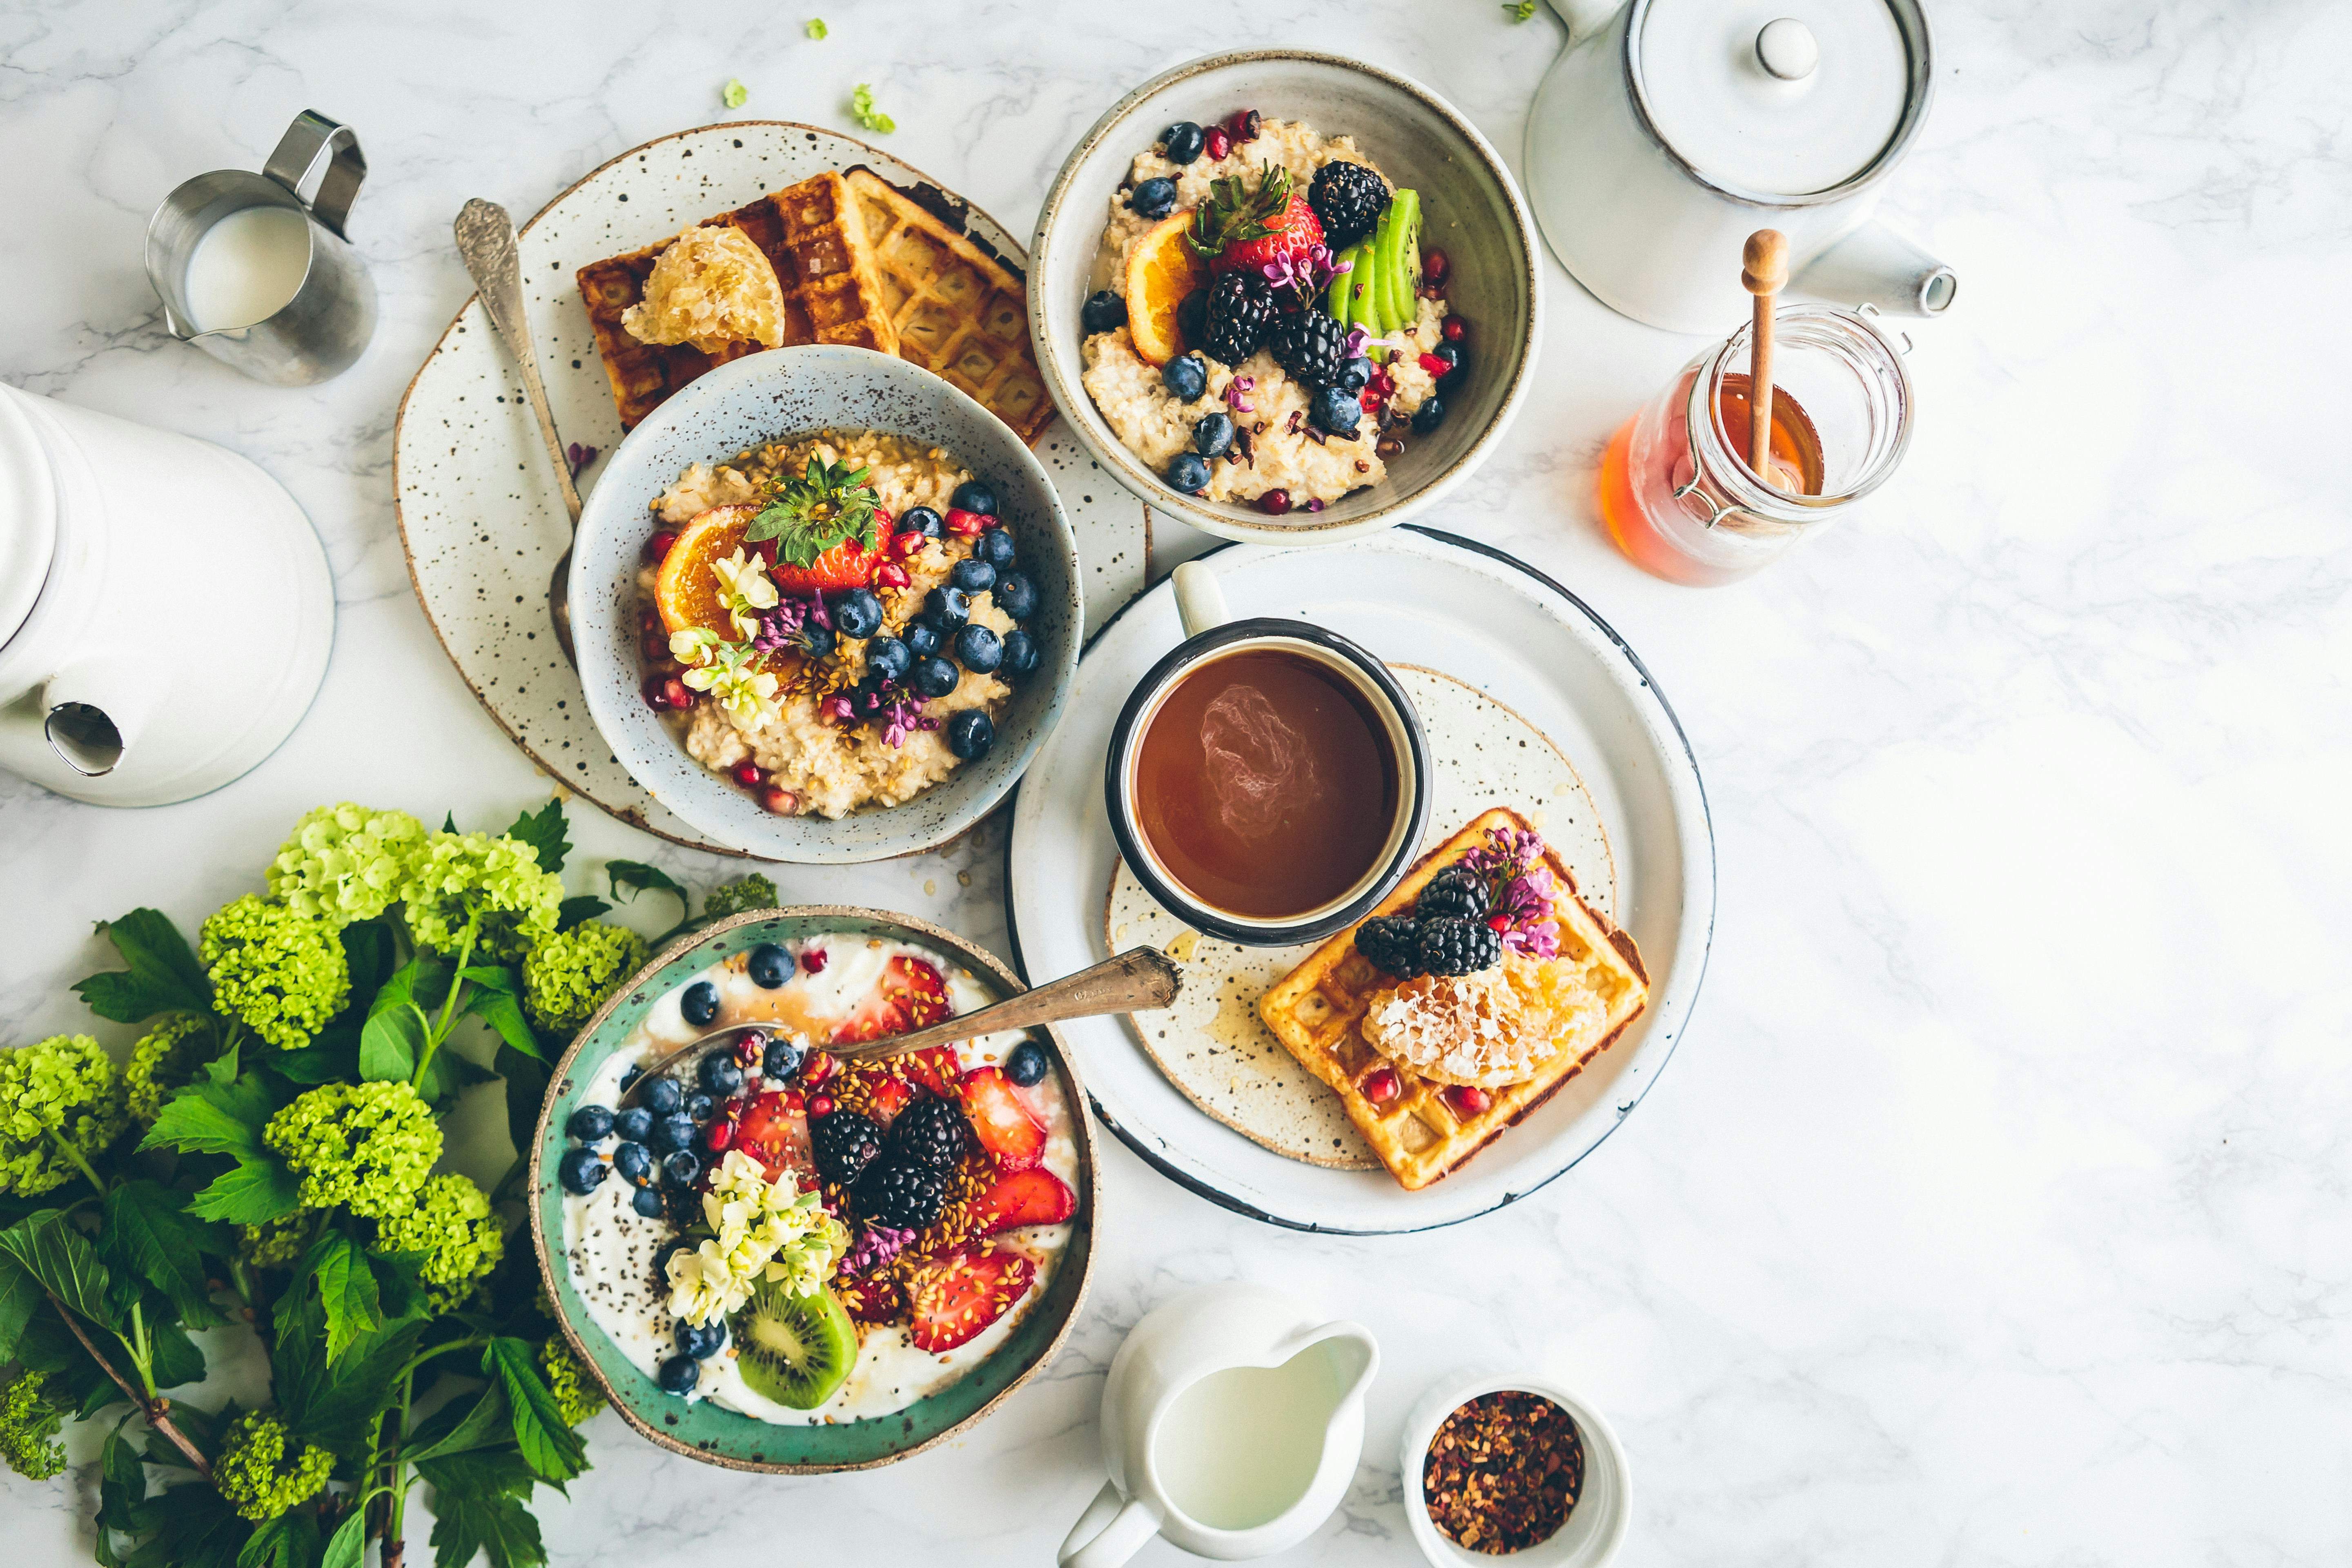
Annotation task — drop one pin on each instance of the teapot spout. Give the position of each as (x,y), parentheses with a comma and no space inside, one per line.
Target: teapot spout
(1877,266)
(93,712)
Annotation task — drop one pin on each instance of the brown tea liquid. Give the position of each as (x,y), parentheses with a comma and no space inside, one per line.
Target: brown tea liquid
(1265,783)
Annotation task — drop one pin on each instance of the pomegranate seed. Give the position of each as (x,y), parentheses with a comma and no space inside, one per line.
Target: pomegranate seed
(658,546)
(968,524)
(1245,125)
(751,1048)
(1433,266)
(814,961)
(817,1068)
(1498,923)
(1379,1085)
(793,1102)
(1468,1099)
(747,773)
(1435,366)
(1455,328)
(654,700)
(778,801)
(718,1136)
(820,1105)
(1371,401)
(654,645)
(890,574)
(1216,143)
(1273,504)
(908,546)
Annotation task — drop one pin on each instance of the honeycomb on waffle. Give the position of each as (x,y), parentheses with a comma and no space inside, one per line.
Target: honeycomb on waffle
(958,312)
(1316,1012)
(831,293)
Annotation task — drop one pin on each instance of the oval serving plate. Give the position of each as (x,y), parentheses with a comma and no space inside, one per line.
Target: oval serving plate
(701,1429)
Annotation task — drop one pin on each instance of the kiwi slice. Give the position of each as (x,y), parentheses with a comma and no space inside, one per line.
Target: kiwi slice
(794,1350)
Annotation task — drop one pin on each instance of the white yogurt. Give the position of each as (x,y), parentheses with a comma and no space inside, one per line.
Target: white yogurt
(610,1248)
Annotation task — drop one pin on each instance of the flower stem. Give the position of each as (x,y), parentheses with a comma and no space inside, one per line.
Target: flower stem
(157,1411)
(440,1030)
(74,1156)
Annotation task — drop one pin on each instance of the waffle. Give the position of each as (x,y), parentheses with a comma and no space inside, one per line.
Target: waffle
(832,293)
(958,312)
(1315,1009)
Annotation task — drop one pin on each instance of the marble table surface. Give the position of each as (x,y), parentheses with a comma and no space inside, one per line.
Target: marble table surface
(1995,1207)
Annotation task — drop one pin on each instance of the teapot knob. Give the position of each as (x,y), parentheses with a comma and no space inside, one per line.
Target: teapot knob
(1787,48)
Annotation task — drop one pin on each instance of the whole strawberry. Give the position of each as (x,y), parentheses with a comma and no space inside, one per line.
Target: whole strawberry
(1237,228)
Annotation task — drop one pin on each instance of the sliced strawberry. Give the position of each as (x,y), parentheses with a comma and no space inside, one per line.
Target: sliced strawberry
(876,1297)
(1289,234)
(776,1134)
(954,1297)
(1024,1197)
(911,995)
(848,565)
(889,1097)
(935,1067)
(1000,1118)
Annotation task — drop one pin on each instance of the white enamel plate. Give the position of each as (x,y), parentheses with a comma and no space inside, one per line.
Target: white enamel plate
(1416,596)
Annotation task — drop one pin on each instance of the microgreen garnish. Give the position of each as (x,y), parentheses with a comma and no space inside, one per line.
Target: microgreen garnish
(829,503)
(816,27)
(735,94)
(1235,214)
(861,102)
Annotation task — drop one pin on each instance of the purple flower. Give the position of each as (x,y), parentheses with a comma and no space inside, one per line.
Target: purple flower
(779,625)
(579,456)
(836,706)
(1358,338)
(877,1245)
(1237,393)
(1307,274)
(903,714)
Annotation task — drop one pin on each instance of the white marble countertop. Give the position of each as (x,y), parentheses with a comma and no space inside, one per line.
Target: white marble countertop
(1995,1207)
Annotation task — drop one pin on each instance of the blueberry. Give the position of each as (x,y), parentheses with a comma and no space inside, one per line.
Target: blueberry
(633,1163)
(630,1078)
(580,1171)
(783,1060)
(590,1123)
(969,734)
(700,1108)
(933,677)
(678,1374)
(1429,415)
(1016,596)
(922,639)
(920,519)
(647,1202)
(1181,143)
(768,964)
(890,658)
(1152,198)
(633,1124)
(857,613)
(817,641)
(1104,311)
(700,1004)
(975,496)
(1186,378)
(947,608)
(719,1074)
(1355,375)
(1188,474)
(672,1133)
(679,1171)
(1335,412)
(1020,655)
(980,649)
(994,546)
(1214,436)
(1025,1064)
(665,1096)
(700,1340)
(1192,317)
(973,574)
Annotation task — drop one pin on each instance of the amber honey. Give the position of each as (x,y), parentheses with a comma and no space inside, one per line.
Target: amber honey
(1628,496)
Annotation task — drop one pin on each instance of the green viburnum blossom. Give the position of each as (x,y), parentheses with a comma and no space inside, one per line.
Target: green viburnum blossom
(493,884)
(262,1473)
(367,1146)
(816,27)
(735,95)
(346,863)
(451,1225)
(861,105)
(575,1394)
(60,1106)
(172,1050)
(28,1429)
(752,892)
(279,971)
(567,977)
(273,1244)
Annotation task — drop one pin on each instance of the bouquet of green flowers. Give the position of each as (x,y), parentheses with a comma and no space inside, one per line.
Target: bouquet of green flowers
(268,1161)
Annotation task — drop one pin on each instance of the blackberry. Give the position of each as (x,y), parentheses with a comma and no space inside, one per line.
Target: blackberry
(928,1132)
(905,1196)
(844,1143)
(1310,345)
(1454,891)
(1452,946)
(1240,308)
(1347,199)
(1391,945)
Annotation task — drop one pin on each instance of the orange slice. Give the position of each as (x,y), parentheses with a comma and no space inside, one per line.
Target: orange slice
(685,590)
(1161,270)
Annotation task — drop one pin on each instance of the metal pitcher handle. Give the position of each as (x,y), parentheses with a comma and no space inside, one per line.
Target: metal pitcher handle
(311,140)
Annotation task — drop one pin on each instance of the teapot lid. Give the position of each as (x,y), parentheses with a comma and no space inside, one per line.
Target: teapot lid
(1779,100)
(28,514)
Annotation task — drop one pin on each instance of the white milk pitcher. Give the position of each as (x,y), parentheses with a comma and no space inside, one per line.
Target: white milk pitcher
(1232,1422)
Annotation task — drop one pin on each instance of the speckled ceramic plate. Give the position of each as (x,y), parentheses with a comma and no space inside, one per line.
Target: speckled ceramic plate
(704,1431)
(480,518)
(1413,596)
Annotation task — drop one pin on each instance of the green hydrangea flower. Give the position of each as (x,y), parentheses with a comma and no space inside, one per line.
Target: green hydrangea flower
(281,971)
(576,1393)
(262,1473)
(451,1224)
(59,1091)
(273,1244)
(566,977)
(494,883)
(169,1055)
(28,1429)
(368,1146)
(346,863)
(752,892)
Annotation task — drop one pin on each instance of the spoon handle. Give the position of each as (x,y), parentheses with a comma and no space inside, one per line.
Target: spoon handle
(1139,978)
(486,238)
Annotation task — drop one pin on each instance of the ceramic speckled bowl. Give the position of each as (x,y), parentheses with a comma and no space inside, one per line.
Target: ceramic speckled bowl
(791,391)
(1470,210)
(704,1431)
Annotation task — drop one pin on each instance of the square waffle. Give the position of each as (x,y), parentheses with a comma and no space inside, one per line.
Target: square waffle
(1317,1008)
(958,312)
(832,293)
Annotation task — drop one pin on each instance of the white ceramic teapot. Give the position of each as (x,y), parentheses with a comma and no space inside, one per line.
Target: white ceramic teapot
(166,611)
(1671,130)
(1232,1422)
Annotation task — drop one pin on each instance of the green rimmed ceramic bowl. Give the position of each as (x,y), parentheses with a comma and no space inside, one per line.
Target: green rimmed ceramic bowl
(701,1429)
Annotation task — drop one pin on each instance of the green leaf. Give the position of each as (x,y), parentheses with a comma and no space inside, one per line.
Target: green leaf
(174,1358)
(543,831)
(194,1527)
(335,1405)
(448,822)
(477,1507)
(368,949)
(574,912)
(20,1293)
(256,1192)
(552,1449)
(527,1079)
(501,1011)
(219,1113)
(353,1305)
(332,1057)
(465,1426)
(164,976)
(395,1031)
(62,1259)
(122,1489)
(149,1231)
(450,1072)
(289,1541)
(348,1546)
(630,878)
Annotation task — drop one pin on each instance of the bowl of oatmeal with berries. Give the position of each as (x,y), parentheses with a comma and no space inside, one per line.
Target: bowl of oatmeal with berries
(1285,296)
(827,606)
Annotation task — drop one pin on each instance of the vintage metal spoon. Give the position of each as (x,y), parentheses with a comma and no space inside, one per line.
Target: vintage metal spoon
(486,238)
(1139,978)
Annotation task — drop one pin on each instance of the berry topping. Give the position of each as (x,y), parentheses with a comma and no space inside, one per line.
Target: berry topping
(1458,891)
(1241,309)
(1452,946)
(890,574)
(812,960)
(1020,655)
(1216,141)
(1214,436)
(1238,228)
(1390,945)
(1181,143)
(664,1096)
(700,1340)
(700,1004)
(580,1171)
(747,773)
(1433,266)
(1026,1064)
(971,733)
(1243,124)
(678,1374)
(778,801)
(933,677)
(901,1193)
(1000,1118)
(1381,1085)
(1347,199)
(1336,411)
(935,1067)
(978,650)
(954,1297)
(972,576)
(931,1132)
(1466,1100)
(844,1144)
(777,1135)
(590,1123)
(996,547)
(1023,1199)
(886,1099)
(1104,311)
(1454,329)
(1016,594)
(633,1164)
(658,546)
(911,995)
(1186,378)
(1154,199)
(947,608)
(720,1136)
(1188,474)
(1310,345)
(857,613)
(965,524)
(720,1075)
(889,657)
(848,565)
(1429,415)
(632,1125)
(1274,502)
(974,495)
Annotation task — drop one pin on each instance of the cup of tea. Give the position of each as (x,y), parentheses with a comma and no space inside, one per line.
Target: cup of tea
(1267,781)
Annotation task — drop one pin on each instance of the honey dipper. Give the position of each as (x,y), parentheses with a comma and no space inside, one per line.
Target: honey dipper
(1764,271)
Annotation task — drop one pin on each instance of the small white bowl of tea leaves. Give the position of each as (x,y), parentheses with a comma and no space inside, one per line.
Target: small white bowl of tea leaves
(1497,1465)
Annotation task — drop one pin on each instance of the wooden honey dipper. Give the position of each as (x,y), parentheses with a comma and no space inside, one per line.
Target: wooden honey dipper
(1764,272)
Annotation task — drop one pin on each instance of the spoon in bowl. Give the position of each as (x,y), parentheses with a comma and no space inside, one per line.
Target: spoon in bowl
(486,238)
